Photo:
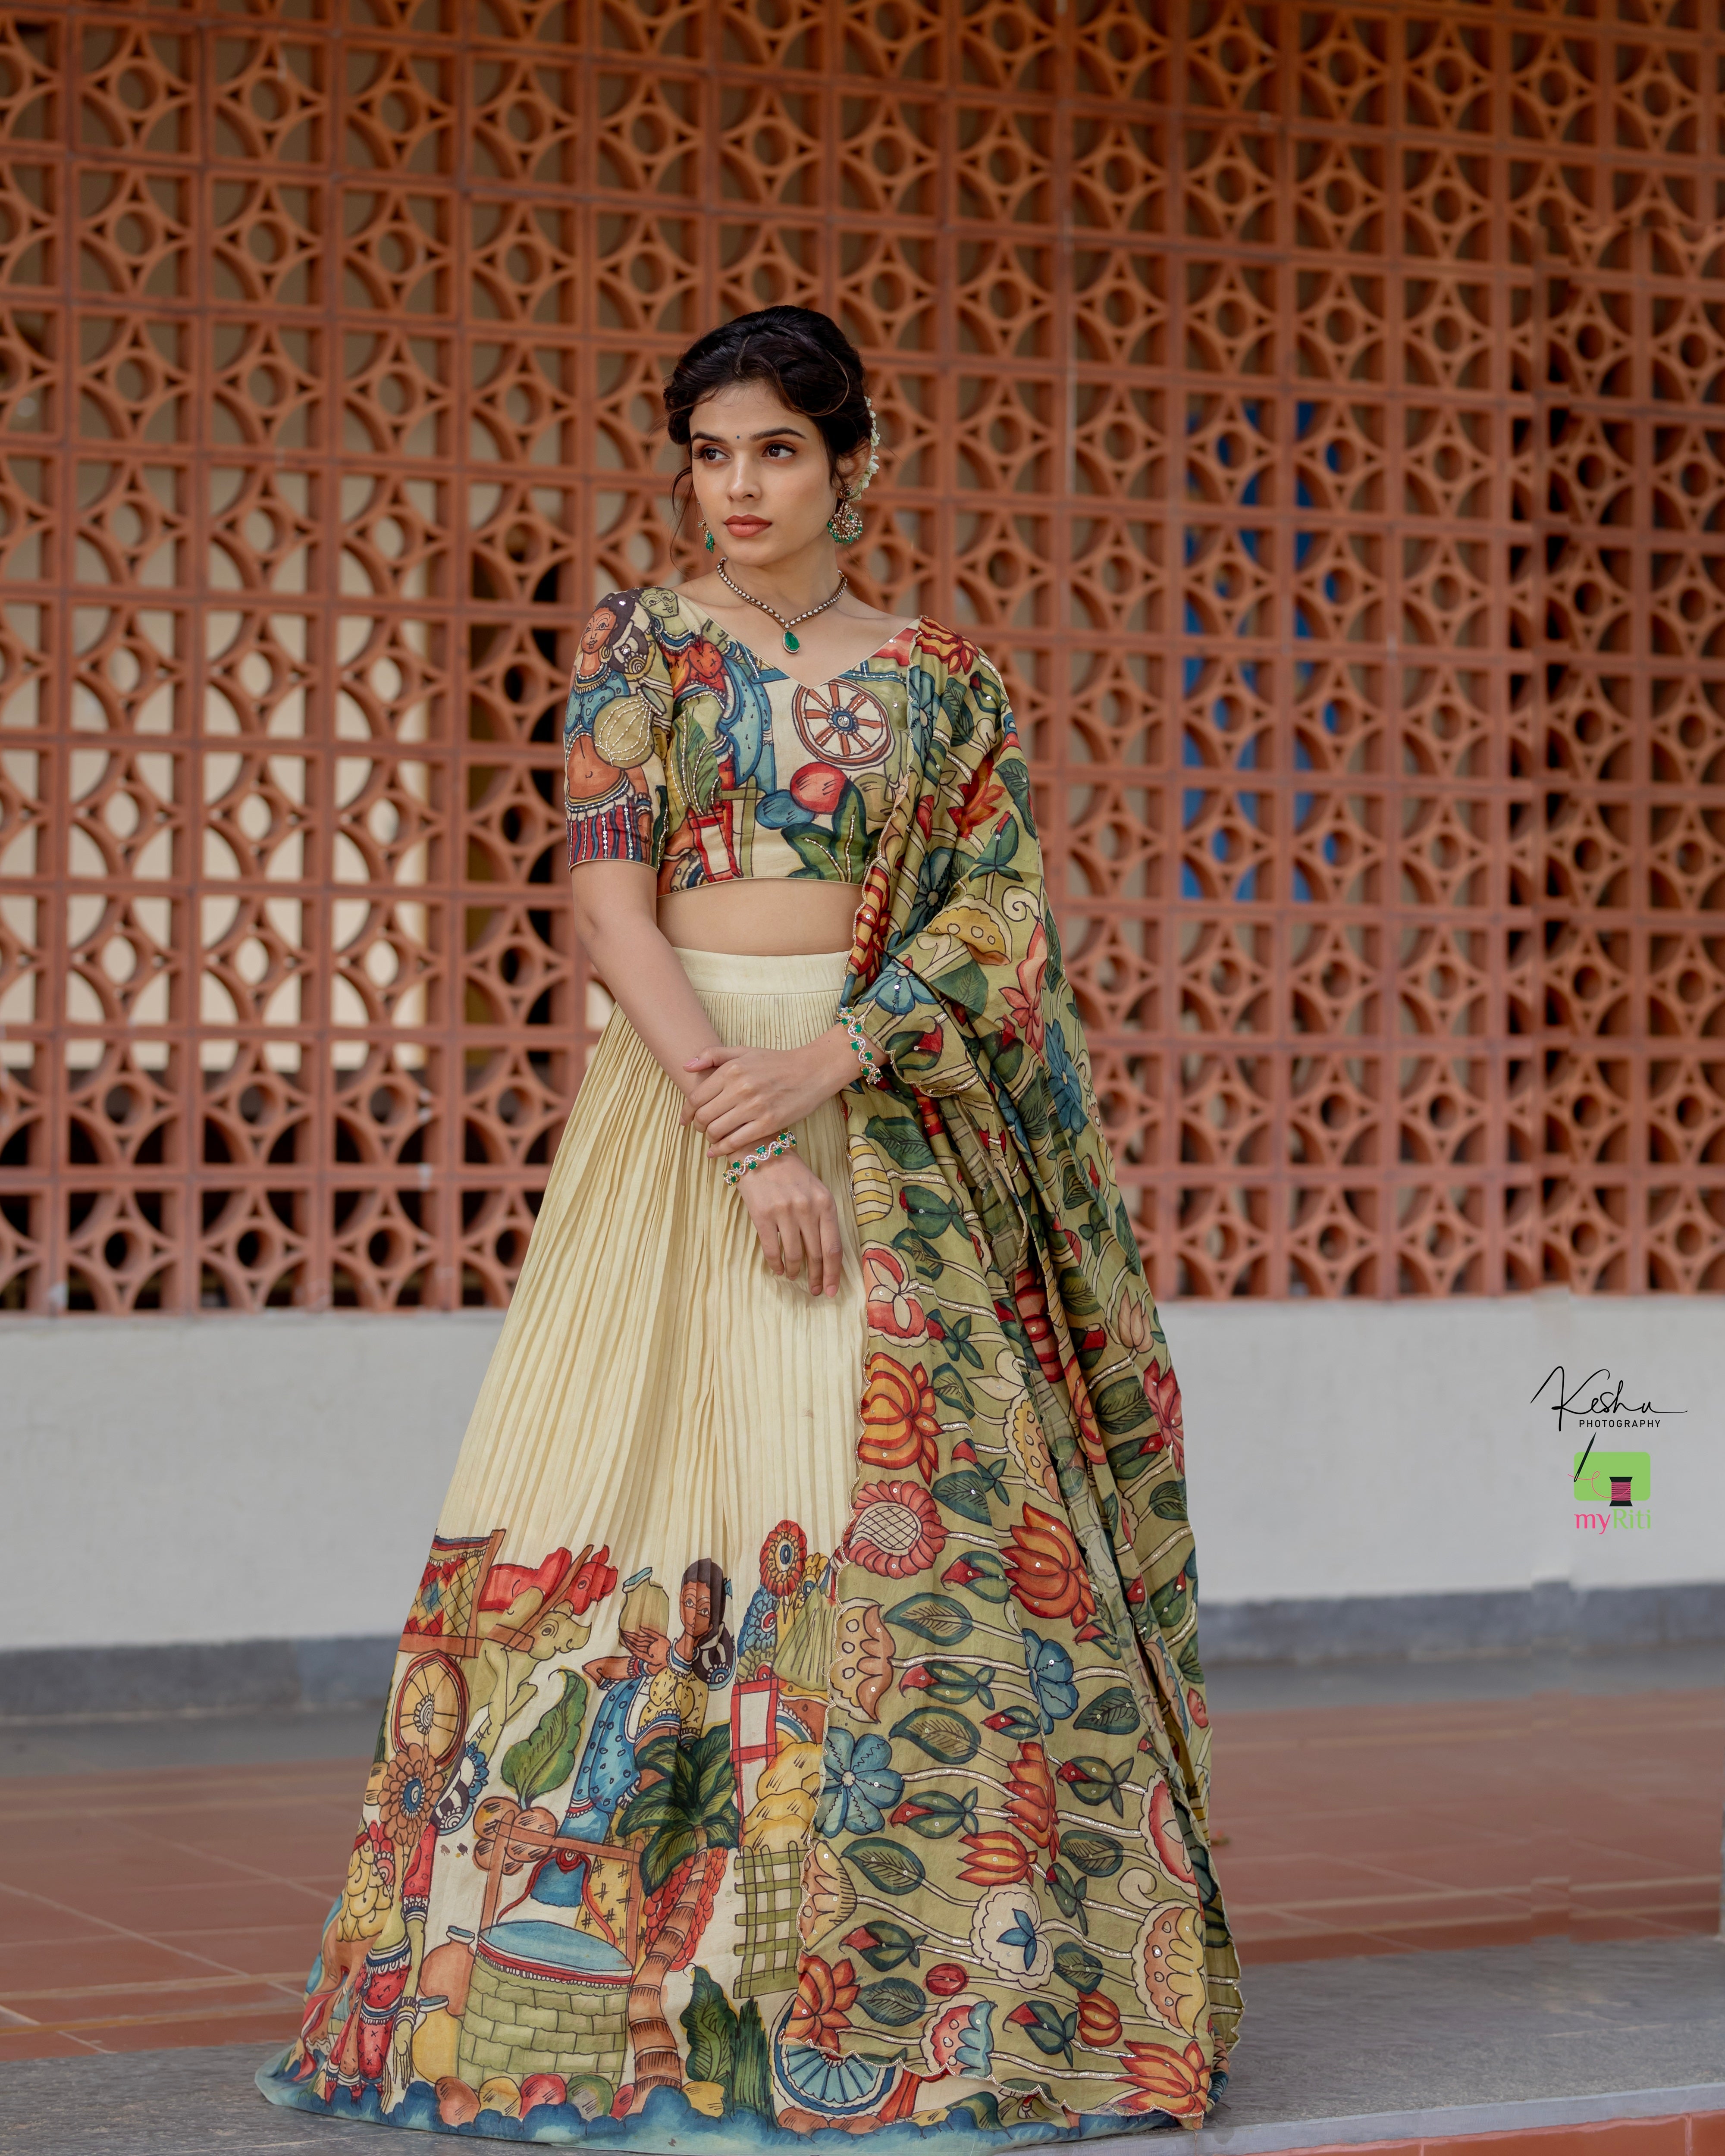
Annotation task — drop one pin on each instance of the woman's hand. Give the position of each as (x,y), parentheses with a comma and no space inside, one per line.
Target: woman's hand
(797,1221)
(744,1095)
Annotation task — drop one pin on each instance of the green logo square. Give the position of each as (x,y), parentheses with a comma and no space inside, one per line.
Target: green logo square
(1597,1472)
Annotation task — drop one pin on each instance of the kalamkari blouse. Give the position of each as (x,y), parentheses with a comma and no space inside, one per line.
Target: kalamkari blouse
(681,749)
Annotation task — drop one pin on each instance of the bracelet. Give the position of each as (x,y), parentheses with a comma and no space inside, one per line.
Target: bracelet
(872,1074)
(768,1149)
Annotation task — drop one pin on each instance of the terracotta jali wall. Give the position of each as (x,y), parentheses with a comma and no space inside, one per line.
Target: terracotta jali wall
(1316,410)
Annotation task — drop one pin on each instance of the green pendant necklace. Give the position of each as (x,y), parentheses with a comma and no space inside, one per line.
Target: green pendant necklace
(791,642)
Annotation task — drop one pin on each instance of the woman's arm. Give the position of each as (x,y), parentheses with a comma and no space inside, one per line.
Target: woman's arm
(738,1096)
(614,917)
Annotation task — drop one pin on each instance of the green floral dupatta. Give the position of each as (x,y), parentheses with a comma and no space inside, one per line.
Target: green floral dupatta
(1011,1873)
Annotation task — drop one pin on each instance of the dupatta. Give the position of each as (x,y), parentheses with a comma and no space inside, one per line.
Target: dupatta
(1010,1871)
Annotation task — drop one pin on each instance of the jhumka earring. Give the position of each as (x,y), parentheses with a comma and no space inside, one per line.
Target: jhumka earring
(845,523)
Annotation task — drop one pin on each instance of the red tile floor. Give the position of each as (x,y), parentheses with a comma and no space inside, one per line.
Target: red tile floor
(170,1906)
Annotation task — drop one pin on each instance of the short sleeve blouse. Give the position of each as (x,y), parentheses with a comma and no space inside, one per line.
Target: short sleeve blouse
(682,750)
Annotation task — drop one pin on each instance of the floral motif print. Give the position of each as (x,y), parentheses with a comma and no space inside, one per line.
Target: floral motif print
(1042,1613)
(896,1528)
(861,1787)
(1045,1567)
(1048,1667)
(901,1423)
(824,1994)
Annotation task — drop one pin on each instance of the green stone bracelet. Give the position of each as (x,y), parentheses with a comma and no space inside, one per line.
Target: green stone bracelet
(768,1149)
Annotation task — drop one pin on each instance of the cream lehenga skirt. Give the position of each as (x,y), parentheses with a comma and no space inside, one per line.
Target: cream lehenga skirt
(621,1630)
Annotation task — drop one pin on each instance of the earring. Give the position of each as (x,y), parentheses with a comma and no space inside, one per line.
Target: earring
(845,523)
(710,540)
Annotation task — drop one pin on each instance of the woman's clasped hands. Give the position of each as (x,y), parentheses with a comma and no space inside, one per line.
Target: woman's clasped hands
(741,1096)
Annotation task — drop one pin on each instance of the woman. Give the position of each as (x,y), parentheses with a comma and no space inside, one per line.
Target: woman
(832,1317)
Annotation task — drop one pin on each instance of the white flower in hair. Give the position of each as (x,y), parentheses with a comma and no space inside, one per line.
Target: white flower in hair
(873,464)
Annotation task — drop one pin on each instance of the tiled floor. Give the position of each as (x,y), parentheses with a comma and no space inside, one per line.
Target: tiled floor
(1388,1828)
(145,1905)
(1620,2136)
(162,1907)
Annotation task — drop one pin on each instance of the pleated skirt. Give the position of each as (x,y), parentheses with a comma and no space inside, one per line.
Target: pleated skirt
(630,1589)
(656,1390)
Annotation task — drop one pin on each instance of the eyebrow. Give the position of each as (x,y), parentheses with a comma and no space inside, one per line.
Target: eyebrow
(766,434)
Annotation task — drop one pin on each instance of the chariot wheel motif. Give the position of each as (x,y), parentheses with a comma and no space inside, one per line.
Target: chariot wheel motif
(431,1706)
(850,729)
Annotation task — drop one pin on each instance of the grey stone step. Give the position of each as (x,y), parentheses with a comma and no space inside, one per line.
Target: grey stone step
(1349,2052)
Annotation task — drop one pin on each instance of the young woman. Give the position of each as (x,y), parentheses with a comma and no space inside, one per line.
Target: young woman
(799,1722)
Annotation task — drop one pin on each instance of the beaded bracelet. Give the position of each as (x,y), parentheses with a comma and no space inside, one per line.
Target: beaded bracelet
(768,1149)
(872,1074)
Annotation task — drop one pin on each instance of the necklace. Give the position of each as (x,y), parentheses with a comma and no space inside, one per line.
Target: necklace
(790,640)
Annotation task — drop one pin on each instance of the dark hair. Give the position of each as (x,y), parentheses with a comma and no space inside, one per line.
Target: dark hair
(715,1650)
(806,357)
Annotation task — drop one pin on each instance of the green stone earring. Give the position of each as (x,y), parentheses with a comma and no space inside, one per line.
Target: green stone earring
(710,541)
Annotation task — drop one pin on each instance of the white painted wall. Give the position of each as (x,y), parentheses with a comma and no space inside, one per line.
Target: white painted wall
(1395,1448)
(169,1480)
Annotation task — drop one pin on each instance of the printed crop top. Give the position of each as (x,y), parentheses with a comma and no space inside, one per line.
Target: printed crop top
(681,749)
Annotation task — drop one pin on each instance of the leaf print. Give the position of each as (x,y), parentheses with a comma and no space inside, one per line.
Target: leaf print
(1114,1710)
(921,1253)
(982,1573)
(695,758)
(931,1212)
(1050,2029)
(1000,849)
(952,1684)
(1168,1500)
(1095,1781)
(546,1756)
(1017,1722)
(1063,1076)
(850,825)
(934,1617)
(1121,1406)
(965,984)
(1069,1896)
(710,2023)
(887,1866)
(961,988)
(901,1139)
(1076,1292)
(938,1814)
(956,1331)
(952,1391)
(1078,1966)
(883,1944)
(1012,774)
(1097,1854)
(942,1734)
(816,849)
(893,2002)
(966,1492)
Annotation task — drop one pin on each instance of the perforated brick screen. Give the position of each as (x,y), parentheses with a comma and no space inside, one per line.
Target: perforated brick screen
(1316,411)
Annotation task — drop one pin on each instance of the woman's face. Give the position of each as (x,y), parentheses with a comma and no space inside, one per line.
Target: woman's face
(697,1603)
(763,477)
